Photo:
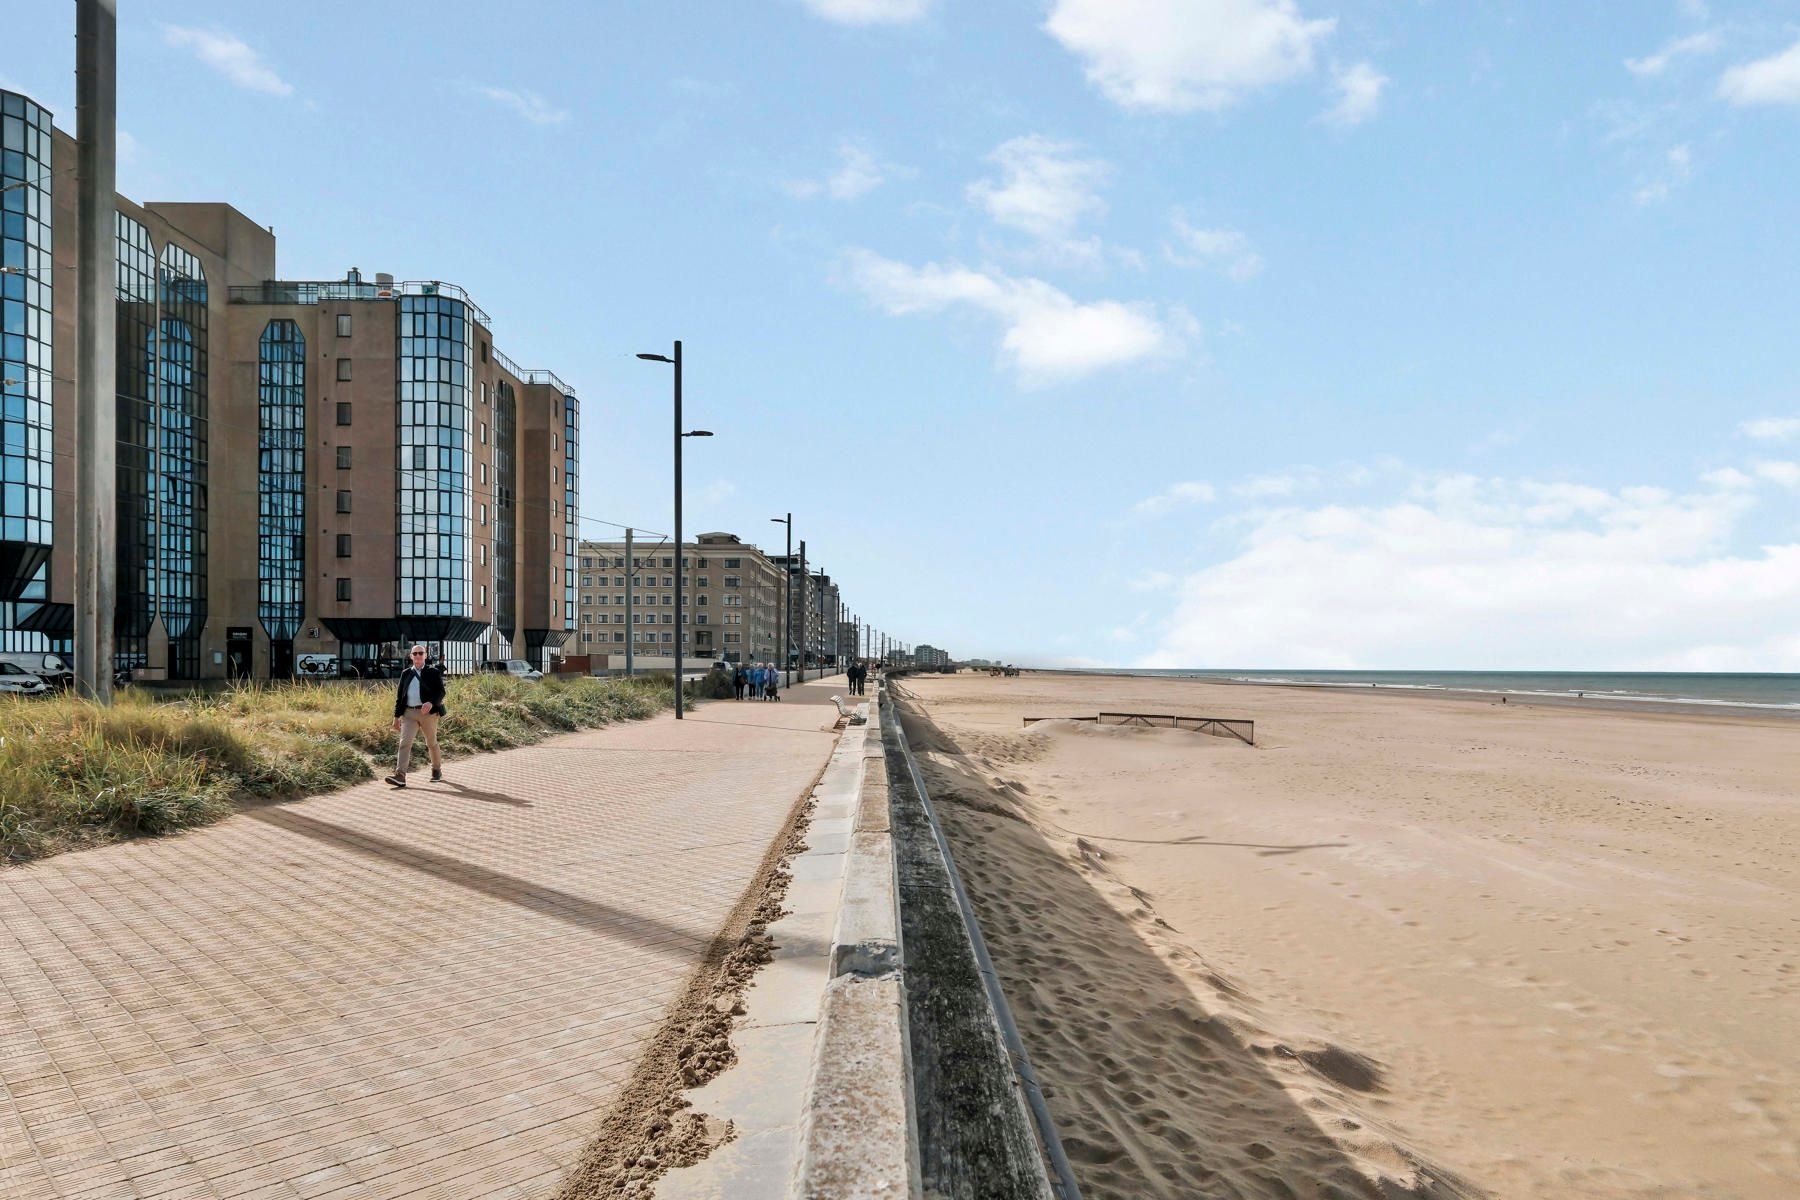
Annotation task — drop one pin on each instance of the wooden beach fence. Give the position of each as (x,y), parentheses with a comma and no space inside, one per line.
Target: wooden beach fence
(1235,727)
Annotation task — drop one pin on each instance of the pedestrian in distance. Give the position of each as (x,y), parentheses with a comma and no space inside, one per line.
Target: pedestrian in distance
(739,681)
(774,683)
(418,706)
(753,679)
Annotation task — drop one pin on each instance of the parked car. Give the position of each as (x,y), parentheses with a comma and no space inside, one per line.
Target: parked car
(518,668)
(53,669)
(17,681)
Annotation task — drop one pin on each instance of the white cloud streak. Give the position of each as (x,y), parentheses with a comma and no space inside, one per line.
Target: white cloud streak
(1226,249)
(857,174)
(1045,189)
(1771,429)
(1359,90)
(228,54)
(1655,64)
(1175,496)
(1048,336)
(870,12)
(1186,55)
(1465,572)
(1772,80)
(1677,168)
(529,105)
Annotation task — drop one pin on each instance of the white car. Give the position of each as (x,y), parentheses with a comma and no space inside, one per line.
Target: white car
(518,668)
(20,682)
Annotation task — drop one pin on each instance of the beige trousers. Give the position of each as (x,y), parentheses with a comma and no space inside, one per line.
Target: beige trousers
(412,723)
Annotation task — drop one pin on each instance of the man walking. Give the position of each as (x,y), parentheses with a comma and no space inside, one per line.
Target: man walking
(739,681)
(417,706)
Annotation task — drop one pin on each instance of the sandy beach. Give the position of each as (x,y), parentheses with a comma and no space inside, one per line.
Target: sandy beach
(1404,946)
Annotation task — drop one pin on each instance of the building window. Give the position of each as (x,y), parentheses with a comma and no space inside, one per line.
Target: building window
(484,433)
(587,637)
(343,458)
(484,352)
(343,545)
(732,564)
(484,516)
(343,370)
(702,564)
(343,324)
(343,412)
(481,553)
(343,589)
(484,594)
(343,501)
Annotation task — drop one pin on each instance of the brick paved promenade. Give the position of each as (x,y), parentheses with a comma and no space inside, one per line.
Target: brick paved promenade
(428,993)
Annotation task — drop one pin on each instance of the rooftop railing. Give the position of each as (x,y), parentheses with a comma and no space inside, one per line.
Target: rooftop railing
(306,291)
(547,378)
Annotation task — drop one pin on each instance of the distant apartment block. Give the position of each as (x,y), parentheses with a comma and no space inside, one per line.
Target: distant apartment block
(303,467)
(732,600)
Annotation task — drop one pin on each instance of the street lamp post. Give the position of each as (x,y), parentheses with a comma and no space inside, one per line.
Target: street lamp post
(787,596)
(680,629)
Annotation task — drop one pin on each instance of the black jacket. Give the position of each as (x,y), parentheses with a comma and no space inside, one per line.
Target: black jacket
(431,688)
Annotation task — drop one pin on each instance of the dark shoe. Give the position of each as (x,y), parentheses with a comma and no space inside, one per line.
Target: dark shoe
(397,779)
(437,777)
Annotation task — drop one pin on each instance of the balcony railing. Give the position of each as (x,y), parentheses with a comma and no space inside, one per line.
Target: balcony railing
(303,291)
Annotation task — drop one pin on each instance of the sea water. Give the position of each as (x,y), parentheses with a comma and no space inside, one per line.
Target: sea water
(1751,690)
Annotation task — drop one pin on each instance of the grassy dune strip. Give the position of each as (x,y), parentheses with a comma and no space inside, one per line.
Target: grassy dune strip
(73,774)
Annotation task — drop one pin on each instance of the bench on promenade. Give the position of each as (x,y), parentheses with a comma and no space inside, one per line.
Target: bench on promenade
(1243,730)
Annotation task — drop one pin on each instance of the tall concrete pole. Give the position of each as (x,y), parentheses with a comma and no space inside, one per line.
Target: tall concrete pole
(805,612)
(630,625)
(96,422)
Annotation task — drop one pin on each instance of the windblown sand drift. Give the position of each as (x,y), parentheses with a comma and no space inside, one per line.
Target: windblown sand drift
(1409,947)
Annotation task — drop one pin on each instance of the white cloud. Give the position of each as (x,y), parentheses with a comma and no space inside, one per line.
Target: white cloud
(1227,248)
(1773,80)
(1176,495)
(1152,581)
(1359,94)
(1676,169)
(1045,189)
(1279,485)
(858,173)
(530,105)
(1786,474)
(1771,429)
(1183,55)
(1655,64)
(227,54)
(1048,335)
(1468,572)
(870,12)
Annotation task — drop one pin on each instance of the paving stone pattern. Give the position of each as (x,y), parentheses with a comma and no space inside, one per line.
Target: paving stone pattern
(427,993)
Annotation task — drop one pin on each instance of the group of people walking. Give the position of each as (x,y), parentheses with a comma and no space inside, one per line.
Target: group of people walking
(858,674)
(758,681)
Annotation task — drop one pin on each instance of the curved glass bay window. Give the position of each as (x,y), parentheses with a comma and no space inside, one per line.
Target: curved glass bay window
(433,436)
(25,326)
(506,514)
(181,458)
(281,490)
(135,407)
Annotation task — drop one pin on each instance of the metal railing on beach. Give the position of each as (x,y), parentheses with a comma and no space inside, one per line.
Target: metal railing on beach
(1242,729)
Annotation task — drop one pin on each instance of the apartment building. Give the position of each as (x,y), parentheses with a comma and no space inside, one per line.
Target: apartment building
(409,482)
(626,596)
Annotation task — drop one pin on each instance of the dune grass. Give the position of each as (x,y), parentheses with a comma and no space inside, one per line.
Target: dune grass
(73,774)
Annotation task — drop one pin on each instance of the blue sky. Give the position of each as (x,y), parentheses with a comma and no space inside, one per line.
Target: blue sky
(1180,332)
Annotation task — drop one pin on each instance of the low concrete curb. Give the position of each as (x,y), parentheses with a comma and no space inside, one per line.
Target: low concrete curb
(820,1097)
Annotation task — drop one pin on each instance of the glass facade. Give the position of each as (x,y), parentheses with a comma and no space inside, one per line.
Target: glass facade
(281,490)
(433,438)
(181,411)
(26,508)
(571,534)
(135,341)
(506,513)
